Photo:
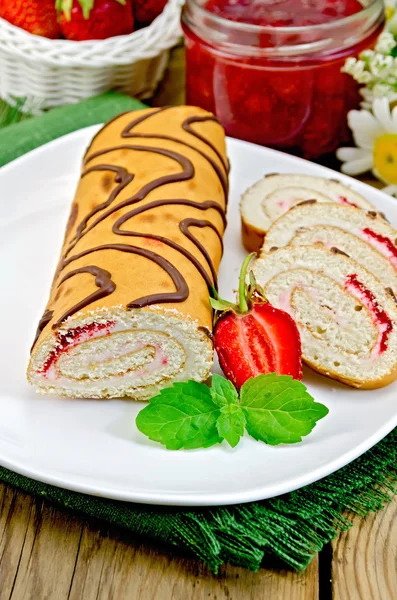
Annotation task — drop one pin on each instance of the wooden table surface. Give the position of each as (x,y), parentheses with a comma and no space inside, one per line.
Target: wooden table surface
(48,553)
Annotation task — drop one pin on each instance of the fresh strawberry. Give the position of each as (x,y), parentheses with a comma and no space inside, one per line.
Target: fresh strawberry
(35,16)
(253,337)
(95,19)
(147,10)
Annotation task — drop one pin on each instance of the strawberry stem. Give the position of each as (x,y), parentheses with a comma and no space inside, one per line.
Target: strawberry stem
(242,288)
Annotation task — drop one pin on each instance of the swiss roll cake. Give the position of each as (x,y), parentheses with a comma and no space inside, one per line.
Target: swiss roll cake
(129,311)
(268,199)
(347,319)
(335,238)
(364,235)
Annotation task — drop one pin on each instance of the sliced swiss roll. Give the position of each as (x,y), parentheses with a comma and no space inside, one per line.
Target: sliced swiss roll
(129,310)
(346,318)
(368,226)
(275,194)
(337,239)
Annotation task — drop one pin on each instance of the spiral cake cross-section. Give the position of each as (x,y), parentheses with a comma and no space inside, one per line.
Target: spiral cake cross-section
(346,318)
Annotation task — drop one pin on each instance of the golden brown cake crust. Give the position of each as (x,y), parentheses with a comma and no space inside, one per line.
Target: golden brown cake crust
(129,305)
(183,177)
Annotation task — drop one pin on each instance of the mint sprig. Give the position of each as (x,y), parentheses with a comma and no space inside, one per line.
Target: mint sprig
(274,409)
(181,416)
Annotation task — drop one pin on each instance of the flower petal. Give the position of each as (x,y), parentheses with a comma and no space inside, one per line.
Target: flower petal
(381,110)
(365,128)
(360,165)
(345,154)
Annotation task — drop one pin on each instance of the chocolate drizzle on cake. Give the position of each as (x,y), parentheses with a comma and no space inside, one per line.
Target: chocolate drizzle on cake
(186,125)
(103,281)
(184,227)
(182,290)
(122,178)
(186,174)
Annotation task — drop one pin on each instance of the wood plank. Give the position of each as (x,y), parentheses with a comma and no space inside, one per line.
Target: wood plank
(15,512)
(364,563)
(38,548)
(112,565)
(46,552)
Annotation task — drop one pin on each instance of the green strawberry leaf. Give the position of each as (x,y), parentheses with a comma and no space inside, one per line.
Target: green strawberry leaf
(223,391)
(222,305)
(181,416)
(231,423)
(279,409)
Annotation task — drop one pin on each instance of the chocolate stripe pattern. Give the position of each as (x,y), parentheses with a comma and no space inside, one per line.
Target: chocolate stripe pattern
(104,210)
(129,309)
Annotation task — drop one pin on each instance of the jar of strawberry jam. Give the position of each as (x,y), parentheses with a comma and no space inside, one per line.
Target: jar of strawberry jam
(271,69)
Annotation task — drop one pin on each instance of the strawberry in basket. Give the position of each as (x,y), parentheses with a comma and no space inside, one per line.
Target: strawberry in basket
(95,19)
(35,16)
(147,10)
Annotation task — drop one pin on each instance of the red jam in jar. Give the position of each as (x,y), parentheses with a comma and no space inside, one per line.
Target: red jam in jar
(271,69)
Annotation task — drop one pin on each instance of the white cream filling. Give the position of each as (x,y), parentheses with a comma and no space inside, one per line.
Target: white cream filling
(144,349)
(331,328)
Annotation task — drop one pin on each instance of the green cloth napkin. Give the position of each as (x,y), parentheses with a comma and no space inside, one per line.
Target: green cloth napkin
(293,527)
(19,134)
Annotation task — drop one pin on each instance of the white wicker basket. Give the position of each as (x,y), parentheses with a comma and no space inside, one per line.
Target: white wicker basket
(55,72)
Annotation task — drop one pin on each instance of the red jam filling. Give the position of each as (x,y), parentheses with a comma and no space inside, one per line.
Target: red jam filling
(67,339)
(344,200)
(294,103)
(383,244)
(381,319)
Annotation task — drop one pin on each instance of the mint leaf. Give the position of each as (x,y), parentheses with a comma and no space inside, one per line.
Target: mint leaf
(279,409)
(223,391)
(274,409)
(181,416)
(231,423)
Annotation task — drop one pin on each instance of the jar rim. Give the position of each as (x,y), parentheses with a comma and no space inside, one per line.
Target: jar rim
(239,38)
(321,27)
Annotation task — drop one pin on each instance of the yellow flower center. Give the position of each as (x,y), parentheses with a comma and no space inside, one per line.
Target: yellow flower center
(385,157)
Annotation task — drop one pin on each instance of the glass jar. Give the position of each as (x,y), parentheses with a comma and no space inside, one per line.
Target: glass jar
(277,86)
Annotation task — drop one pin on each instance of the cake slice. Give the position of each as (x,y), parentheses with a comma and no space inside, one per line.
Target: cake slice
(275,194)
(346,318)
(337,239)
(368,226)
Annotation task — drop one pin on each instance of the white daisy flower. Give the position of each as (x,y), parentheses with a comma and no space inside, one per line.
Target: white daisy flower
(375,135)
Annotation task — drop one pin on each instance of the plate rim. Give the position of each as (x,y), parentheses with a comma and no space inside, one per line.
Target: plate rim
(183,499)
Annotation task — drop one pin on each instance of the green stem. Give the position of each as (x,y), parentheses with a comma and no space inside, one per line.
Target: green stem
(242,288)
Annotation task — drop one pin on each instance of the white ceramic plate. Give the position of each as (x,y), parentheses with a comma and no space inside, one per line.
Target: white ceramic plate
(93,446)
